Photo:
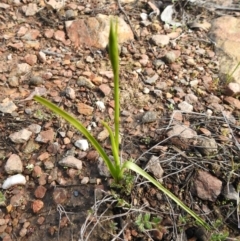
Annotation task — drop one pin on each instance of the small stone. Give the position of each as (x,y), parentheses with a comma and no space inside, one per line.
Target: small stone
(207,186)
(82,81)
(60,195)
(36,80)
(31,34)
(70,14)
(194,83)
(149,116)
(158,62)
(170,57)
(92,155)
(49,33)
(34,128)
(84,109)
(191,62)
(97,80)
(232,89)
(207,146)
(40,220)
(85,180)
(182,131)
(45,136)
(160,40)
(105,89)
(20,136)
(70,93)
(7,106)
(60,36)
(71,161)
(82,144)
(42,56)
(191,98)
(23,232)
(31,59)
(37,171)
(232,101)
(40,192)
(89,59)
(37,205)
(100,105)
(154,167)
(146,90)
(44,156)
(103,135)
(152,80)
(186,107)
(14,165)
(13,81)
(31,9)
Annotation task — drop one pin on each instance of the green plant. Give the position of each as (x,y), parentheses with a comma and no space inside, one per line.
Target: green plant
(116,168)
(219,236)
(145,222)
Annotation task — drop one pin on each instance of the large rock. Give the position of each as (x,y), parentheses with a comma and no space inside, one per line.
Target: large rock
(94,31)
(225,32)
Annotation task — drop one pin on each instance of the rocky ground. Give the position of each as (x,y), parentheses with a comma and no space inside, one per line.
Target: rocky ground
(180,84)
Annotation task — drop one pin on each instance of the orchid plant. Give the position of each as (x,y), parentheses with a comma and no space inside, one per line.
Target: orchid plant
(116,168)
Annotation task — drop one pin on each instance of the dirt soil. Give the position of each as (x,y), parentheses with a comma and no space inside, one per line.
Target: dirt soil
(70,204)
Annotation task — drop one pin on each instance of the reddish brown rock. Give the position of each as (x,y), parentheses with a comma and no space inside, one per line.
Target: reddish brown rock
(31,59)
(40,192)
(84,109)
(60,36)
(106,90)
(45,136)
(233,102)
(37,171)
(60,195)
(49,33)
(37,205)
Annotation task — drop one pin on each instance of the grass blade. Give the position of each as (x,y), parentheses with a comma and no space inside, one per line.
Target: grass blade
(137,169)
(74,122)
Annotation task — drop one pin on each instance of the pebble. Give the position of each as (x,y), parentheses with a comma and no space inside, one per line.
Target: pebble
(186,107)
(82,81)
(170,57)
(158,62)
(13,164)
(191,62)
(45,136)
(37,205)
(149,116)
(100,105)
(160,40)
(146,90)
(20,136)
(17,179)
(13,81)
(152,80)
(85,180)
(70,93)
(40,192)
(71,161)
(36,80)
(7,106)
(105,89)
(82,144)
(89,59)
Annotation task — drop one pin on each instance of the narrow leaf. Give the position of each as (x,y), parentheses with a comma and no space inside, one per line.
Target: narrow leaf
(137,169)
(74,122)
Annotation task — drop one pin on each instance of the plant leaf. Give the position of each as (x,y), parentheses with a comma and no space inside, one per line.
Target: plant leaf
(137,169)
(74,122)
